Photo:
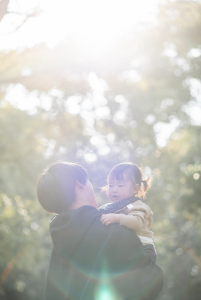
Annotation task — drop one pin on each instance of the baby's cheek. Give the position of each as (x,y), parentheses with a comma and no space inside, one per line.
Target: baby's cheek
(124,194)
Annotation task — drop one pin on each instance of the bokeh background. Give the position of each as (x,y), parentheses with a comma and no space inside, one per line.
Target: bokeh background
(99,83)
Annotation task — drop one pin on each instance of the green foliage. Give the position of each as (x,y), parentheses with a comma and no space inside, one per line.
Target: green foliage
(101,113)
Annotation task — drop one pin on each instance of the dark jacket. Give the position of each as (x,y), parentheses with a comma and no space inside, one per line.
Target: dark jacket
(90,261)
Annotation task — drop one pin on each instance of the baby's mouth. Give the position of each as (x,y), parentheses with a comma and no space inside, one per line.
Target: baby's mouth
(115,197)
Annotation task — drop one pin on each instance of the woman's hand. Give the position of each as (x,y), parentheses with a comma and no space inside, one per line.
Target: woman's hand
(110,218)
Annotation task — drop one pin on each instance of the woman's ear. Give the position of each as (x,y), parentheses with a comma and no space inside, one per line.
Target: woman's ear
(136,189)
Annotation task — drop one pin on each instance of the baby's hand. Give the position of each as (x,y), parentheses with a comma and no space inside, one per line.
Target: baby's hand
(110,218)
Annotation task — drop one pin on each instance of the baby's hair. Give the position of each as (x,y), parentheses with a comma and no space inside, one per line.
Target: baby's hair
(133,172)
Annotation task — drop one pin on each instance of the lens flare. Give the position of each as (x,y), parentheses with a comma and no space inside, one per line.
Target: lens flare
(105,292)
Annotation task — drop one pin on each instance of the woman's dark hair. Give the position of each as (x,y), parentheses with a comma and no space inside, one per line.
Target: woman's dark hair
(132,172)
(56,186)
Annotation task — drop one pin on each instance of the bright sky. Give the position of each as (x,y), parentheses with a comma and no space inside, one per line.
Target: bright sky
(91,22)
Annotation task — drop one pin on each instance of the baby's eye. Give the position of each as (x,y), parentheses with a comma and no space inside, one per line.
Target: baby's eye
(110,185)
(121,185)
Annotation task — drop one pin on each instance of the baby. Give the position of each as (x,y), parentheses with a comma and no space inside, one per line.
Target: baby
(125,183)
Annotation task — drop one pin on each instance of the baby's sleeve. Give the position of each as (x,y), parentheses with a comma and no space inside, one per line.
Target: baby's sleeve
(135,220)
(139,216)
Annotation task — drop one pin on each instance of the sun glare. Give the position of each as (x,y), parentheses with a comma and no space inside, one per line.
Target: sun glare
(92,24)
(96,22)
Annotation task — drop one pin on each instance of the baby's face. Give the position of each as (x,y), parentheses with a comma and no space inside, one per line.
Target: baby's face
(120,189)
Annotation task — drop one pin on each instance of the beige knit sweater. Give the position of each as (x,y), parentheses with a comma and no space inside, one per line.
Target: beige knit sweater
(137,216)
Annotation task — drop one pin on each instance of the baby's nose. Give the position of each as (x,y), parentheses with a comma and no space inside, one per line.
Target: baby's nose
(114,188)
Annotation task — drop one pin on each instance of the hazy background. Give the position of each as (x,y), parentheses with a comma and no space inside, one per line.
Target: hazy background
(99,83)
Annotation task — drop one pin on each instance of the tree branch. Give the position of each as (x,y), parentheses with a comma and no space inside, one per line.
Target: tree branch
(3,8)
(34,14)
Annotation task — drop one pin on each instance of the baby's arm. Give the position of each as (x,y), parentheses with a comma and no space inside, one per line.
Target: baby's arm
(140,216)
(134,221)
(110,218)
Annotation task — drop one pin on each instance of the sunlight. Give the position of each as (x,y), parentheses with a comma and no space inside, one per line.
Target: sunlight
(95,23)
(164,130)
(92,24)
